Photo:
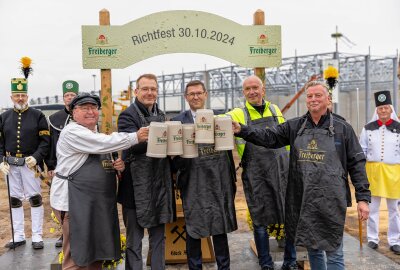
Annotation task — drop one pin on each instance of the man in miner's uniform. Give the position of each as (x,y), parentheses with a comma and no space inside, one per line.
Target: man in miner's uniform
(380,141)
(24,143)
(57,121)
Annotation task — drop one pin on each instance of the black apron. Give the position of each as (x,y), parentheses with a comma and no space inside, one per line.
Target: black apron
(265,177)
(152,184)
(93,223)
(208,194)
(316,205)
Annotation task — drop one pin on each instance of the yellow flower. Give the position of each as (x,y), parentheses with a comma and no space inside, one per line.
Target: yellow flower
(52,230)
(60,257)
(331,72)
(53,216)
(249,220)
(26,61)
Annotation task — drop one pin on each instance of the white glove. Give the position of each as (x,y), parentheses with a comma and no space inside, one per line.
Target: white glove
(4,168)
(30,161)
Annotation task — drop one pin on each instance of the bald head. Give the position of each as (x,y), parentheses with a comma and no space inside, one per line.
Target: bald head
(253,90)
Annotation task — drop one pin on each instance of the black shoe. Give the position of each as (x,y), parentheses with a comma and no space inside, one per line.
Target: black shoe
(12,245)
(59,242)
(289,267)
(38,245)
(268,268)
(395,249)
(372,245)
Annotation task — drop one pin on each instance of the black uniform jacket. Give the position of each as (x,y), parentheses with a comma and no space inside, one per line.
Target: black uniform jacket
(346,142)
(57,121)
(129,121)
(24,132)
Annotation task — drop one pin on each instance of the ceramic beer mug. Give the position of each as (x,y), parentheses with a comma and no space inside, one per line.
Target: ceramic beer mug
(204,126)
(223,133)
(190,149)
(157,141)
(174,137)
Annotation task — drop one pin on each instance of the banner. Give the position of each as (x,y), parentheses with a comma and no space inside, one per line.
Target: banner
(114,47)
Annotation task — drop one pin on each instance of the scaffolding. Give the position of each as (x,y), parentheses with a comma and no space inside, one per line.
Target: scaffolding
(363,72)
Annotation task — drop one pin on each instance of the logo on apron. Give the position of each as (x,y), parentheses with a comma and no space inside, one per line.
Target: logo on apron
(311,154)
(107,165)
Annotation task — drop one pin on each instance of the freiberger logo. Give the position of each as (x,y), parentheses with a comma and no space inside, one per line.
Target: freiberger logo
(191,140)
(102,39)
(312,145)
(162,139)
(99,51)
(178,138)
(107,165)
(203,125)
(218,133)
(262,39)
(20,87)
(312,154)
(261,48)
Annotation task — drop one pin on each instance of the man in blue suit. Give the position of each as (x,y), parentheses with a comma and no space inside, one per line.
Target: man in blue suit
(208,186)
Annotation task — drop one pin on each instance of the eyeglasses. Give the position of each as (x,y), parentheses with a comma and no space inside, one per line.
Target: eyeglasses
(88,108)
(193,94)
(149,89)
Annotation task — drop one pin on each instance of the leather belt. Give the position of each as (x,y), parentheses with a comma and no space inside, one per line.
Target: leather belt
(64,177)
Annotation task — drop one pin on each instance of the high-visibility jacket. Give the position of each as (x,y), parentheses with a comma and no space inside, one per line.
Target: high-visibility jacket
(238,115)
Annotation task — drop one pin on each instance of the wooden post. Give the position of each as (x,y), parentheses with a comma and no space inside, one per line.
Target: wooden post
(259,19)
(105,94)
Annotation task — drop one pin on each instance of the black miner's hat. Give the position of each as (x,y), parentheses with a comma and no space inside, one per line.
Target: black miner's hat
(382,98)
(84,98)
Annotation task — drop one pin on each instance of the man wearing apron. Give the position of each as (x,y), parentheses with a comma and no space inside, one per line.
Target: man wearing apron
(145,191)
(57,121)
(323,150)
(380,140)
(24,143)
(83,190)
(265,173)
(208,186)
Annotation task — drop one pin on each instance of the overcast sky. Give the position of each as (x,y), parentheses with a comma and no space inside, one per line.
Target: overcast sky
(49,31)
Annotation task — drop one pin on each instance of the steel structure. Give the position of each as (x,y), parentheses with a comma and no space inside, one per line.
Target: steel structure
(364,72)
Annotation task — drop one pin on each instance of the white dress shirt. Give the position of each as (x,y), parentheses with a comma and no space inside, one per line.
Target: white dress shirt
(75,144)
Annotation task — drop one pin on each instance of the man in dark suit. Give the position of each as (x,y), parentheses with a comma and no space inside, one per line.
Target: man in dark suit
(207,186)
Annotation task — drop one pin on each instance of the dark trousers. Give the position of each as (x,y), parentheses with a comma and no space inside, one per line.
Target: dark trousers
(134,236)
(221,250)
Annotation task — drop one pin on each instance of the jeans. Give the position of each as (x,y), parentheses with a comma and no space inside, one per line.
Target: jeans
(261,238)
(334,259)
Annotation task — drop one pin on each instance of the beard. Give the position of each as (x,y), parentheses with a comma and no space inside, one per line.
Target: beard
(20,107)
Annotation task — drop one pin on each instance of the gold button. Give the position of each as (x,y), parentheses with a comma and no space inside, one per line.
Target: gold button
(17,141)
(18,136)
(17,131)
(19,127)
(19,123)
(18,151)
(17,146)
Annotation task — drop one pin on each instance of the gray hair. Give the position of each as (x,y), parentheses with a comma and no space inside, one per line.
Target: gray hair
(315,83)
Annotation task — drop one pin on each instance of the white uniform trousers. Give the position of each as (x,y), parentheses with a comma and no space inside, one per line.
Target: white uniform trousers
(24,185)
(393,233)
